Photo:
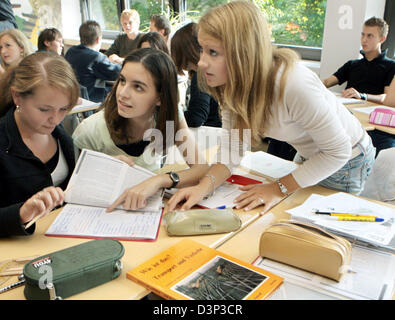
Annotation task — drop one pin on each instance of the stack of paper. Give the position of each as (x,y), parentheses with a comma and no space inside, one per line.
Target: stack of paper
(376,233)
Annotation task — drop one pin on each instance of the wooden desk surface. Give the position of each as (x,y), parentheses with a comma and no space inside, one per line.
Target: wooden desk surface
(136,252)
(364,118)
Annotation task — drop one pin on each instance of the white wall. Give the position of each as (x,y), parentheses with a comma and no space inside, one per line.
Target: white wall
(342,32)
(71,19)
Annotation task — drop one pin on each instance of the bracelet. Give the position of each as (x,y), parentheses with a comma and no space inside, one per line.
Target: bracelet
(364,96)
(212,180)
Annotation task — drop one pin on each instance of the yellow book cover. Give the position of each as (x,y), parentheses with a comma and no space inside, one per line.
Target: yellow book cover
(191,271)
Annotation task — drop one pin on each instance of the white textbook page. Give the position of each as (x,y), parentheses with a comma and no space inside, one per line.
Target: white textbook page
(93,222)
(96,180)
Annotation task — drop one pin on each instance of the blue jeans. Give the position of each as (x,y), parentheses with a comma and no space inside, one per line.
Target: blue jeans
(352,176)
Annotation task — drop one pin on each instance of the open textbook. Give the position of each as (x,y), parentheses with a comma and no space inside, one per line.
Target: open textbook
(97,181)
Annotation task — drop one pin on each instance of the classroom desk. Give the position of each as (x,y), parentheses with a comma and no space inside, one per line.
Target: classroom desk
(364,118)
(248,239)
(136,252)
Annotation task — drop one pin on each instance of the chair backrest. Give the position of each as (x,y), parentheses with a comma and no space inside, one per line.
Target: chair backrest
(380,185)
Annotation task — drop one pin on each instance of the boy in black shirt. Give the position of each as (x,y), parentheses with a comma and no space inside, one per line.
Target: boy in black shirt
(369,78)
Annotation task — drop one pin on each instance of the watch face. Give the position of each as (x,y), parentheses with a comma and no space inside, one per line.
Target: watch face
(174,176)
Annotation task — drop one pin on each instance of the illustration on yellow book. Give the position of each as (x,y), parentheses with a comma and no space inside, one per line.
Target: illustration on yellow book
(192,271)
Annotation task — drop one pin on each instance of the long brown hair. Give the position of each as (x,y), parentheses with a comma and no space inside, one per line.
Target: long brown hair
(164,73)
(38,69)
(252,63)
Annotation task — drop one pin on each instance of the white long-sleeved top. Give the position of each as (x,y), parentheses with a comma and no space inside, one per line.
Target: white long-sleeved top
(314,122)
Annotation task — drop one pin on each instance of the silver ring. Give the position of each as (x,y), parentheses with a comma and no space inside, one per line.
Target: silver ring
(261,200)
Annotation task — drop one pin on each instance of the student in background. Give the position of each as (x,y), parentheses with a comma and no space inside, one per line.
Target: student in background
(91,66)
(153,40)
(267,91)
(50,40)
(127,41)
(14,46)
(36,154)
(390,97)
(159,23)
(202,109)
(143,98)
(369,78)
(7,18)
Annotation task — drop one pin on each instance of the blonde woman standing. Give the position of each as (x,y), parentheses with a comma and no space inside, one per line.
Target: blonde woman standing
(266,90)
(14,46)
(36,154)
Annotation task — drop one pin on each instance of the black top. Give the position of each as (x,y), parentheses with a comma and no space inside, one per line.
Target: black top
(367,76)
(92,69)
(22,174)
(202,109)
(6,13)
(122,45)
(135,149)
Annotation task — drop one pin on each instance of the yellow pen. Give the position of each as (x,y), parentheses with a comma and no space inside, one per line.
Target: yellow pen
(361,219)
(338,214)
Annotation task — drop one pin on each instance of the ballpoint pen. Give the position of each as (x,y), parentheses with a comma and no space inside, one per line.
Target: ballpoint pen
(339,214)
(14,285)
(360,219)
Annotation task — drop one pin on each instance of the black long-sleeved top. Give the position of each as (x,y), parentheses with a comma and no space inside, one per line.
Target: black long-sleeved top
(22,174)
(202,109)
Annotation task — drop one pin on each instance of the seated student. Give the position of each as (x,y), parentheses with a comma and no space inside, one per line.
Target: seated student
(369,78)
(127,41)
(389,99)
(92,67)
(268,92)
(159,23)
(50,40)
(7,18)
(153,40)
(202,109)
(14,46)
(36,154)
(143,98)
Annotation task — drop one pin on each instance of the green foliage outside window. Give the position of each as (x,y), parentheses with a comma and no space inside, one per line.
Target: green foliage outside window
(296,22)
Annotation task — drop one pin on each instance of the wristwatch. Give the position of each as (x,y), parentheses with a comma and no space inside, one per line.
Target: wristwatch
(283,188)
(174,177)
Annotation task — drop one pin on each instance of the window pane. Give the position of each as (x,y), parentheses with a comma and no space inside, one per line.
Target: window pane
(296,22)
(146,9)
(105,13)
(196,8)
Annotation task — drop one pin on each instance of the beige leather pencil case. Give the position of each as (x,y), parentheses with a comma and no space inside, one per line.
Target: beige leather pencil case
(307,247)
(201,221)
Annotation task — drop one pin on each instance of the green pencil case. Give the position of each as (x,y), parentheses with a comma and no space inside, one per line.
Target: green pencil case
(67,272)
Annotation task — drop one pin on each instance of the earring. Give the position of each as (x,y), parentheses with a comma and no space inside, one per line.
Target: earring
(18,108)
